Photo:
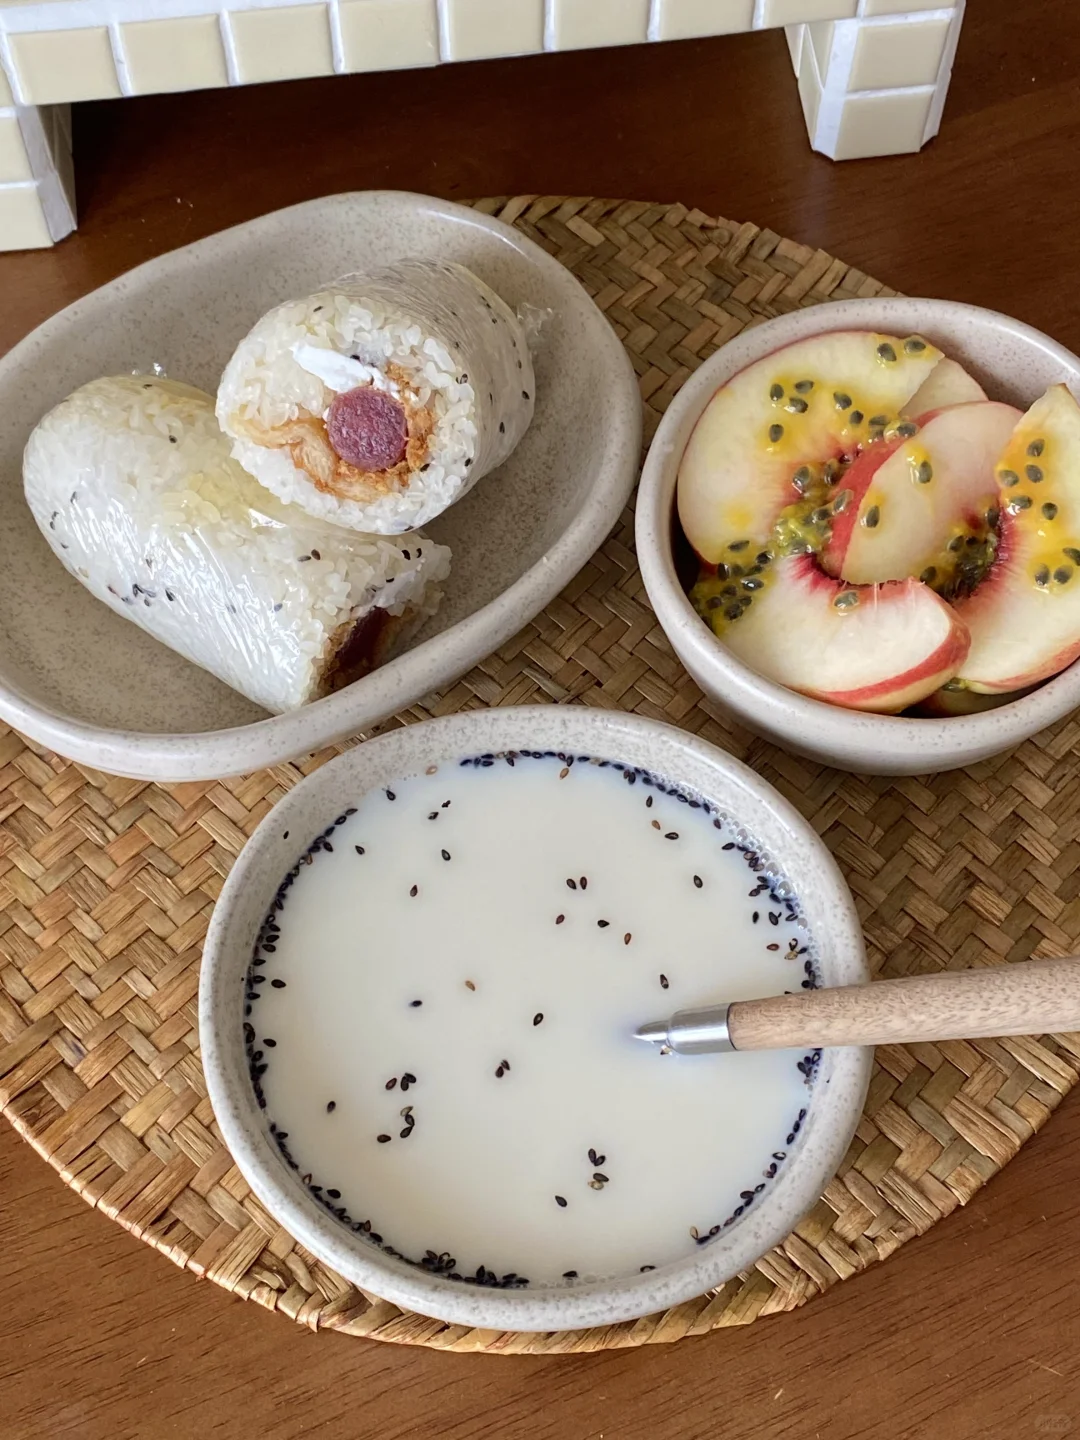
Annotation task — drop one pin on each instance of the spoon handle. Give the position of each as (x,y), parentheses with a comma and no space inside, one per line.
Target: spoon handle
(1032,998)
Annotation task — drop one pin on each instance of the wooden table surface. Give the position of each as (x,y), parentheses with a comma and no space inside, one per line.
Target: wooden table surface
(972,1331)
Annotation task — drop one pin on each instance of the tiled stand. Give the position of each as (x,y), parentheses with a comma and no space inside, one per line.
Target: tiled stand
(872,74)
(875,85)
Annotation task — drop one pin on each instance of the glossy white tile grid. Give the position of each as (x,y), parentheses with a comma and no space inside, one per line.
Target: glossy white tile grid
(873,74)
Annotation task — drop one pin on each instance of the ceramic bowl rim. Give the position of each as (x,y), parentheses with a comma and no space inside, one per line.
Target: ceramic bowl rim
(236,749)
(948,741)
(840,1086)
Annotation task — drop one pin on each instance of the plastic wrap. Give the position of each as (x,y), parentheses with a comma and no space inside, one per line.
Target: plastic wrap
(133,486)
(379,401)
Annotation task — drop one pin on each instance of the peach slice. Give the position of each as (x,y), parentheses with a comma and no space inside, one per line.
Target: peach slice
(871,647)
(920,502)
(1025,616)
(947,384)
(765,437)
(948,703)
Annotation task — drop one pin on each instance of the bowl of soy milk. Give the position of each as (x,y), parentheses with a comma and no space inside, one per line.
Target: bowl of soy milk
(418,1001)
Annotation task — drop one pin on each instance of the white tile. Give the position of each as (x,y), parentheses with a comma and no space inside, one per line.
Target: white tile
(882,125)
(14,161)
(282,44)
(789,12)
(22,220)
(580,26)
(482,29)
(908,53)
(684,19)
(389,34)
(184,53)
(901,7)
(821,38)
(795,35)
(810,95)
(59,65)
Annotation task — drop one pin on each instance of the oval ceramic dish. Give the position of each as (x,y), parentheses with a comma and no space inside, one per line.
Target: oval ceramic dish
(1014,363)
(838,1090)
(79,679)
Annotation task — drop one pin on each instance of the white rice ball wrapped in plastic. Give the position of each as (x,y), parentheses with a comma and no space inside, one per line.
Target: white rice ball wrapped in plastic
(379,401)
(132,484)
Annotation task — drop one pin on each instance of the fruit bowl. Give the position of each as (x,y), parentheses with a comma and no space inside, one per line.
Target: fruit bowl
(1014,364)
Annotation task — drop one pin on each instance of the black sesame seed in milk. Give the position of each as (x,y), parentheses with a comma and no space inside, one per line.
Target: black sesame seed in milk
(391,970)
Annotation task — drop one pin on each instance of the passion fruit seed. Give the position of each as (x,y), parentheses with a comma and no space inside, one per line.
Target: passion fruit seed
(1008,477)
(753,584)
(993,517)
(1042,576)
(804,386)
(871,518)
(818,517)
(1063,574)
(797,406)
(846,600)
(737,545)
(878,422)
(763,558)
(842,501)
(1033,473)
(907,430)
(803,479)
(841,401)
(1072,553)
(1019,502)
(714,602)
(857,417)
(956,543)
(887,353)
(731,591)
(1049,511)
(776,392)
(776,433)
(929,575)
(914,346)
(1036,448)
(925,473)
(721,572)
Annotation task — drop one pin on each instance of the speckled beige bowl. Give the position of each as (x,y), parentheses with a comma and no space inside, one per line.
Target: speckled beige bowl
(835,1099)
(1013,362)
(80,679)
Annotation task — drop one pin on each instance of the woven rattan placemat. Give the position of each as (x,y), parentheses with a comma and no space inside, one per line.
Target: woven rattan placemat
(106,886)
